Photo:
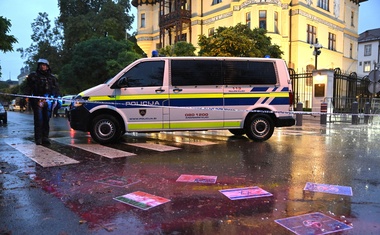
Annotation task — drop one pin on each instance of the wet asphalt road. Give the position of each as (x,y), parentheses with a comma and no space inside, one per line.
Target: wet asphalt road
(69,200)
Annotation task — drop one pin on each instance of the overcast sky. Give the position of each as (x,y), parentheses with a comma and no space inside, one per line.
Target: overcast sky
(22,13)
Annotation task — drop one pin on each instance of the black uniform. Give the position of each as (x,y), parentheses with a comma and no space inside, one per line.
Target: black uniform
(42,84)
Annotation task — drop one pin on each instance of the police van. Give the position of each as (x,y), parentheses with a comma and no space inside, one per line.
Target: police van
(248,96)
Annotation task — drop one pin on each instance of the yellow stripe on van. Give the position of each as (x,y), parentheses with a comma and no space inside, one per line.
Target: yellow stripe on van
(142,97)
(144,126)
(196,95)
(257,95)
(100,98)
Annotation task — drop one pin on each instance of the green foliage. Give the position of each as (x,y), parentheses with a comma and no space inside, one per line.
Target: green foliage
(6,40)
(178,49)
(83,20)
(239,41)
(95,61)
(47,43)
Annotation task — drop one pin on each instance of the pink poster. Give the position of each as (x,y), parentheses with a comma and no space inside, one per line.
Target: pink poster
(141,200)
(206,179)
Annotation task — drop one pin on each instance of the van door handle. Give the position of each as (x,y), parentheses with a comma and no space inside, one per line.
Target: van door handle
(160,90)
(177,89)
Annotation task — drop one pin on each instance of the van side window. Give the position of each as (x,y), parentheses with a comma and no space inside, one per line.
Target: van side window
(249,72)
(145,74)
(196,72)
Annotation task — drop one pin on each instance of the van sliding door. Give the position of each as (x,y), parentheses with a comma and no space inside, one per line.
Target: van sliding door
(196,94)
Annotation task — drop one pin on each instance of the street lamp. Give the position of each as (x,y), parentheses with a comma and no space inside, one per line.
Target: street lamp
(316,52)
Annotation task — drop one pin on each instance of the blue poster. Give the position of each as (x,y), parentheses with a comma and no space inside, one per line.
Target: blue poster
(328,188)
(313,223)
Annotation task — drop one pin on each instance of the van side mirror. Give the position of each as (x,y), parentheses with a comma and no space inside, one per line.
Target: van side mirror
(122,82)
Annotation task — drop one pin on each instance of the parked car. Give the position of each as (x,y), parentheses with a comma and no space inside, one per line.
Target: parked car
(66,100)
(3,114)
(14,106)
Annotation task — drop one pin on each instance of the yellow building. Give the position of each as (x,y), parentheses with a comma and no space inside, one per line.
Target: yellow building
(299,27)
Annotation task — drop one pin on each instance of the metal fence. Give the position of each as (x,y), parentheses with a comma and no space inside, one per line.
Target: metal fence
(347,89)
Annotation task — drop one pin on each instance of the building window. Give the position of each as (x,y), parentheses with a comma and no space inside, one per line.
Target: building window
(142,20)
(352,18)
(211,32)
(216,2)
(182,37)
(276,22)
(351,48)
(367,66)
(324,4)
(263,19)
(367,50)
(332,42)
(311,34)
(248,19)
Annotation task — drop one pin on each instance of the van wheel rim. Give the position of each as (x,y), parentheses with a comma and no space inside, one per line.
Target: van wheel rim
(105,129)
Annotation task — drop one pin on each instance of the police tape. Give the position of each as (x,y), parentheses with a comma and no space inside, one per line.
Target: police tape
(290,112)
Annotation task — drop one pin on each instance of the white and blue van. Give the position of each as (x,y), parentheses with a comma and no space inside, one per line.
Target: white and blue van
(248,96)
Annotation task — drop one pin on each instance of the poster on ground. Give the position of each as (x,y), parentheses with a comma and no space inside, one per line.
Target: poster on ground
(313,223)
(205,179)
(118,181)
(141,200)
(245,193)
(328,188)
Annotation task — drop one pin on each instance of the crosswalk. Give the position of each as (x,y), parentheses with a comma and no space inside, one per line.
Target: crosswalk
(46,157)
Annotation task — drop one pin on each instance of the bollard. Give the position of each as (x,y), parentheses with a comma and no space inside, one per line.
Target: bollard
(323,113)
(355,118)
(367,109)
(298,115)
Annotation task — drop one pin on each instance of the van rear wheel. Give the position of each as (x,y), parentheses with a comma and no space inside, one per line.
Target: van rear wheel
(105,129)
(259,127)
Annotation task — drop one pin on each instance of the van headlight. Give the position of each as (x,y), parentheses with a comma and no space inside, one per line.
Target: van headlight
(79,101)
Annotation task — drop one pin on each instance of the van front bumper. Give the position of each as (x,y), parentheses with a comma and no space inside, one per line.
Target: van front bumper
(78,118)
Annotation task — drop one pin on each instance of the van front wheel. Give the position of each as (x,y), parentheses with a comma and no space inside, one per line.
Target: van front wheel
(237,132)
(259,127)
(105,129)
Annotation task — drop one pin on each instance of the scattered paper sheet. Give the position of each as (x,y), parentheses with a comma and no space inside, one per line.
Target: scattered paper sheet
(313,223)
(141,200)
(206,179)
(118,181)
(327,188)
(245,193)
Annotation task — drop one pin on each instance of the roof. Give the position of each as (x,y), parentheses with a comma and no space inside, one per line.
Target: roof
(369,35)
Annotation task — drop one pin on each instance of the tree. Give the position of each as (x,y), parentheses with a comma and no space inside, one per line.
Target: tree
(238,41)
(6,40)
(47,43)
(83,20)
(94,61)
(178,49)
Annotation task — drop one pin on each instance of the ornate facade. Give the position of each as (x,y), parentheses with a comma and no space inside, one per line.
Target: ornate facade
(295,25)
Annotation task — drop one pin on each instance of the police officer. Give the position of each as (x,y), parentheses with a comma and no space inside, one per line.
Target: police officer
(42,84)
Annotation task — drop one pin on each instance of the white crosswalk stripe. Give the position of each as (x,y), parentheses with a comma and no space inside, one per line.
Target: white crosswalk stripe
(95,148)
(152,146)
(40,154)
